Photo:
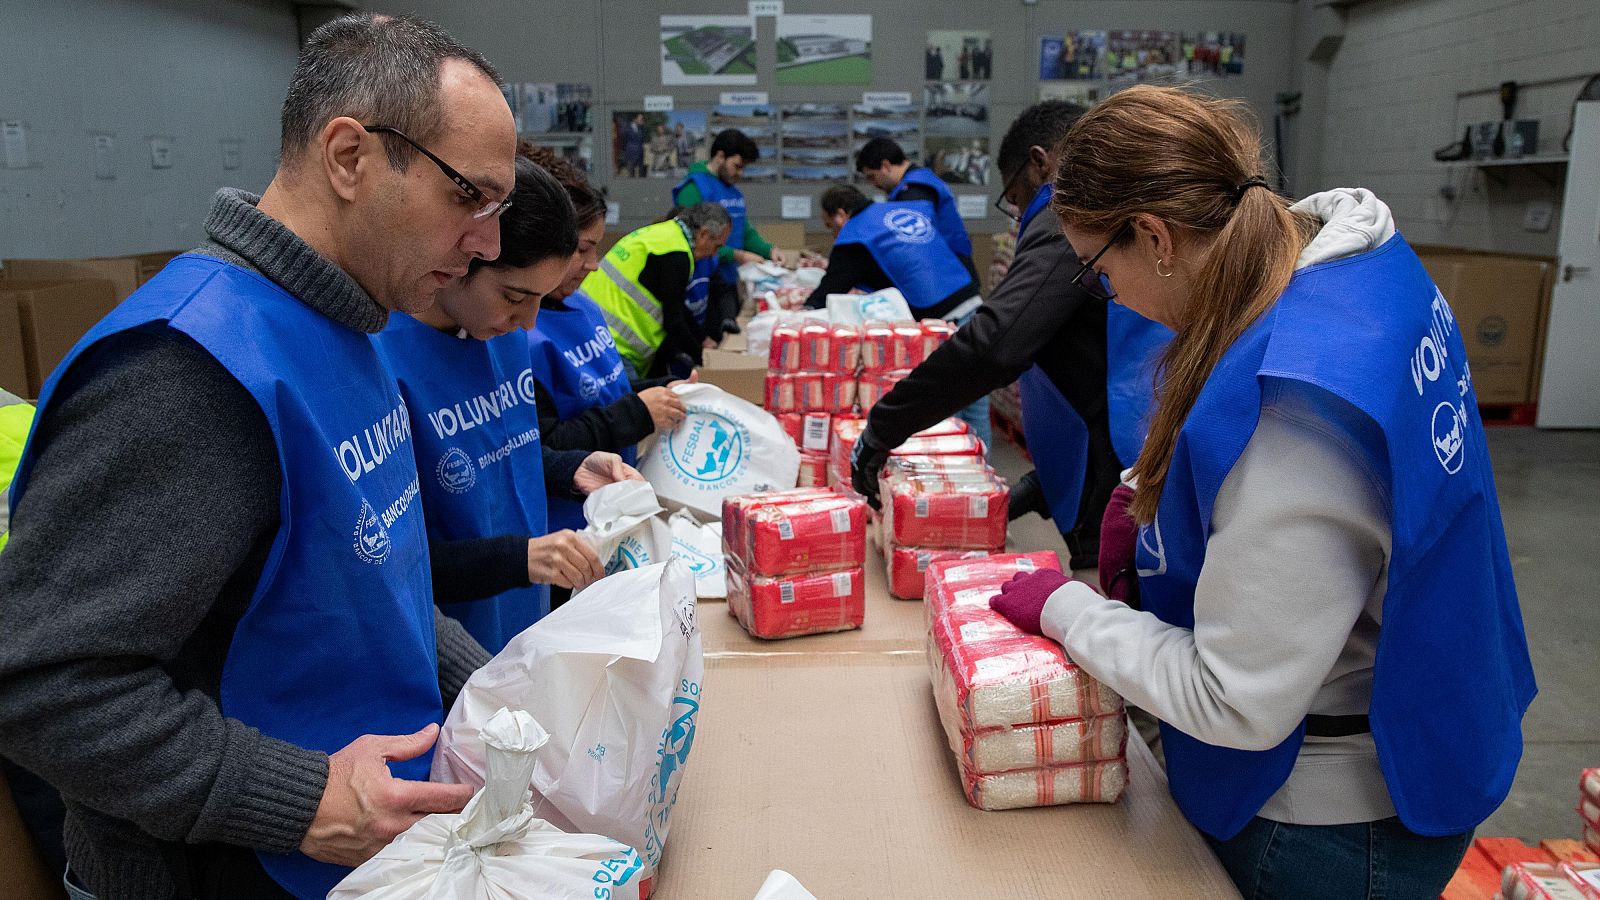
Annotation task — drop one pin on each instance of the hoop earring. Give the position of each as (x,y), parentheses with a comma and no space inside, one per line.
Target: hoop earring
(1159,263)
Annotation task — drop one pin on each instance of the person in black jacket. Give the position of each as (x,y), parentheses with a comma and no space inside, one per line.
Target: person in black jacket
(1036,315)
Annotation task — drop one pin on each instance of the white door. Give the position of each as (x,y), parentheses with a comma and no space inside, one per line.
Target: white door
(1569,395)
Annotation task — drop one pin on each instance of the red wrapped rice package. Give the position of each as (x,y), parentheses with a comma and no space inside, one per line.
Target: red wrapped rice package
(877,346)
(798,604)
(907,345)
(948,426)
(934,333)
(813,469)
(784,353)
(962,511)
(735,509)
(783,393)
(806,536)
(830,348)
(944,445)
(793,425)
(908,567)
(1095,782)
(874,385)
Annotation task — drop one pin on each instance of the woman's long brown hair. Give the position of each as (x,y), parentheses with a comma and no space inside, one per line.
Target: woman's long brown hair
(1182,158)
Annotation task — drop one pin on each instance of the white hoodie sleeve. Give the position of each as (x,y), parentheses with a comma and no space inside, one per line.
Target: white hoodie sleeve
(1300,541)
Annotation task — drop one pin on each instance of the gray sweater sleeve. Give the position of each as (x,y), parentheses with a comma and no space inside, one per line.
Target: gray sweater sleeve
(154,495)
(1300,539)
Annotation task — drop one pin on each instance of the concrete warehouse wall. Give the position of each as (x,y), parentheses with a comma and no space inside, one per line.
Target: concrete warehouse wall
(612,44)
(1411,74)
(195,71)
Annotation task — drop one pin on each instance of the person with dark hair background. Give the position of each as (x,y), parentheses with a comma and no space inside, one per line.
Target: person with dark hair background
(464,370)
(885,166)
(716,181)
(262,668)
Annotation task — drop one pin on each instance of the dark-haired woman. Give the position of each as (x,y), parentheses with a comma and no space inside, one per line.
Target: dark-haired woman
(1330,634)
(464,371)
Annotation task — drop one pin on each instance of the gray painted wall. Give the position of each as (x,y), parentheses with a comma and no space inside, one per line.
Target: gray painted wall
(196,71)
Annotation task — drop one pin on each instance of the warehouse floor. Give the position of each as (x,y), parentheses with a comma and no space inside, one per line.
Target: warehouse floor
(1549,485)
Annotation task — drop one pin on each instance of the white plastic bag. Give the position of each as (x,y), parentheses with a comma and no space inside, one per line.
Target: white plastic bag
(724,446)
(758,331)
(780,885)
(887,305)
(614,676)
(700,548)
(625,526)
(496,847)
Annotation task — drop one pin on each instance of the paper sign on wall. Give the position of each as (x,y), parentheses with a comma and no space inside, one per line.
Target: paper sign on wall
(796,206)
(972,206)
(658,103)
(105,157)
(744,98)
(161,152)
(232,154)
(613,212)
(886,98)
(766,8)
(16,141)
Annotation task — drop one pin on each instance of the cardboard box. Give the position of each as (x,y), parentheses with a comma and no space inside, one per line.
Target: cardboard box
(1501,304)
(13,358)
(53,316)
(789,235)
(740,374)
(125,273)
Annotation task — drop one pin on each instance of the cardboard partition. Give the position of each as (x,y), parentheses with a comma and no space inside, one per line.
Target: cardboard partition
(125,273)
(13,357)
(53,316)
(1501,304)
(790,235)
(740,374)
(833,766)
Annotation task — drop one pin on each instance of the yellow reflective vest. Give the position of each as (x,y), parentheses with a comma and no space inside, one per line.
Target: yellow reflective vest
(633,313)
(16,418)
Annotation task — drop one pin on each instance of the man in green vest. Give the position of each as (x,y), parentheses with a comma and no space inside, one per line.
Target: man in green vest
(642,289)
(16,417)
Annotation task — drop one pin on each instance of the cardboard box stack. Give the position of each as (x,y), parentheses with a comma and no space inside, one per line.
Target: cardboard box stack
(1589,807)
(51,317)
(795,561)
(1028,727)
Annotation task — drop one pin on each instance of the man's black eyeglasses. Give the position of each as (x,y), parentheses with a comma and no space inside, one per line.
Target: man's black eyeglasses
(1006,207)
(486,206)
(1093,285)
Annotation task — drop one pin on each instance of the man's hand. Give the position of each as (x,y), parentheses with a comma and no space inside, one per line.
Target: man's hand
(666,408)
(866,461)
(364,807)
(694,378)
(563,559)
(600,469)
(1022,599)
(745,256)
(789,259)
(708,343)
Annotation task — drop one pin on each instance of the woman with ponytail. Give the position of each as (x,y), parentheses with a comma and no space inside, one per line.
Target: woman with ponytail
(1329,630)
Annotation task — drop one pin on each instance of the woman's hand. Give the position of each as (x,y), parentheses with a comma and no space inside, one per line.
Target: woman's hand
(563,559)
(666,408)
(601,469)
(1022,599)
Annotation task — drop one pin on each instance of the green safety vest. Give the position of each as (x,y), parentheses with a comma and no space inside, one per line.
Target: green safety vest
(16,417)
(632,312)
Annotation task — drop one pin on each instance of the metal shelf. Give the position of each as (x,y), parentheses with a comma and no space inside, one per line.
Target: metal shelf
(1541,166)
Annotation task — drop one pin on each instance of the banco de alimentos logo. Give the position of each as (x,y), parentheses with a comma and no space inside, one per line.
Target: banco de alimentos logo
(909,225)
(456,472)
(708,449)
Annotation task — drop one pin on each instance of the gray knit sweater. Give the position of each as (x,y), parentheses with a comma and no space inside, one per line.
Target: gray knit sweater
(148,517)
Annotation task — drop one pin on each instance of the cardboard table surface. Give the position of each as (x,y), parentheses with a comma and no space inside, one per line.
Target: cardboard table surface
(824,756)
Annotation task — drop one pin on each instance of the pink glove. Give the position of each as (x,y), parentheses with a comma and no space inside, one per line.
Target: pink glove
(1022,598)
(1119,578)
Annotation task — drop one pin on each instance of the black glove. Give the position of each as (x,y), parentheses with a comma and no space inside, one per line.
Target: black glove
(1027,496)
(681,365)
(866,461)
(730,326)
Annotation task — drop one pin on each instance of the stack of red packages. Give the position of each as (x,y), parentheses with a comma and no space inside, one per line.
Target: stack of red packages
(1570,880)
(813,371)
(795,561)
(1028,727)
(828,392)
(941,500)
(952,438)
(887,346)
(1589,807)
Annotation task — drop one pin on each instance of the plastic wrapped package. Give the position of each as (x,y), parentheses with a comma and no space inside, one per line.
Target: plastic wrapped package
(797,605)
(949,467)
(1097,782)
(1547,881)
(948,426)
(813,469)
(877,350)
(934,333)
(734,510)
(874,385)
(829,348)
(942,445)
(955,510)
(806,536)
(788,392)
(809,430)
(908,567)
(1589,784)
(1048,744)
(783,355)
(993,570)
(907,346)
(793,425)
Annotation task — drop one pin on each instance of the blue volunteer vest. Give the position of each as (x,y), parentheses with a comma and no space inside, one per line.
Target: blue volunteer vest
(1133,344)
(1452,676)
(905,243)
(730,198)
(575,361)
(945,215)
(478,453)
(338,639)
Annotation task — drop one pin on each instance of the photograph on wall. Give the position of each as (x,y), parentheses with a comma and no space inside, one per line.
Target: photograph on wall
(708,50)
(816,142)
(1083,93)
(1141,55)
(759,124)
(956,108)
(958,56)
(544,107)
(824,49)
(657,144)
(1074,56)
(1213,54)
(577,149)
(959,160)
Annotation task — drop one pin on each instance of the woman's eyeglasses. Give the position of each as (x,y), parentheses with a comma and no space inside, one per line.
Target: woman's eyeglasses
(1093,283)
